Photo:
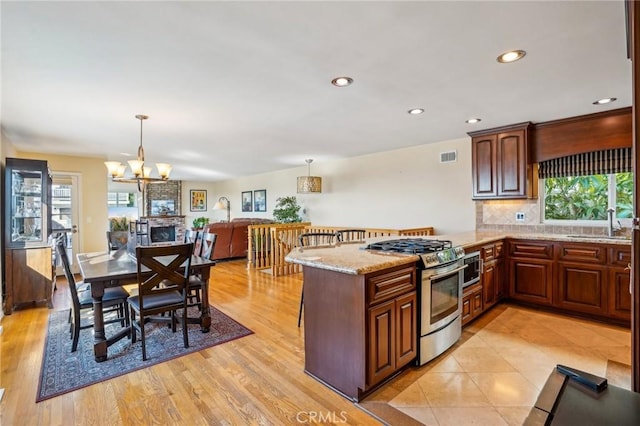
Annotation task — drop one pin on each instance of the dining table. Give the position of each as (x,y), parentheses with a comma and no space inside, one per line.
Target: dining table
(103,270)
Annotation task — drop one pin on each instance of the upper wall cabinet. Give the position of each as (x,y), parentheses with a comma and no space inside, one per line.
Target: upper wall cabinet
(501,164)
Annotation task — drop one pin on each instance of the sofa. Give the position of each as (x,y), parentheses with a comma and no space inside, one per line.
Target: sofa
(232,237)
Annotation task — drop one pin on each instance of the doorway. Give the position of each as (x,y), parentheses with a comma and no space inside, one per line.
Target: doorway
(65,214)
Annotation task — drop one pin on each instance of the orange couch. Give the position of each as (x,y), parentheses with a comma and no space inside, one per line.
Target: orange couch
(233,237)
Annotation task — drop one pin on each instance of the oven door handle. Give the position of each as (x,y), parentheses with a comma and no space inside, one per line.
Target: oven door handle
(435,277)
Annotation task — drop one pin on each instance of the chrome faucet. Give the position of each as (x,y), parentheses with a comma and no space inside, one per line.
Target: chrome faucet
(612,228)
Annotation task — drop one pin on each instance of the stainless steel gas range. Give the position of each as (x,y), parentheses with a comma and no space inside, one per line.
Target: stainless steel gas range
(440,277)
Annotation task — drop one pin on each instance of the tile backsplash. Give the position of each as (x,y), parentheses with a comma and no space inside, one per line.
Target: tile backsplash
(500,215)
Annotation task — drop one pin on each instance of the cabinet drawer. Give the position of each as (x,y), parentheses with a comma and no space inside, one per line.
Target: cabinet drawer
(492,251)
(531,249)
(620,256)
(590,253)
(391,283)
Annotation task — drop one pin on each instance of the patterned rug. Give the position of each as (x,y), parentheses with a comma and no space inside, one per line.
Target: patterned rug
(63,371)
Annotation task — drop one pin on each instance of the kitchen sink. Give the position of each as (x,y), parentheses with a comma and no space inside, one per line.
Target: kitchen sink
(600,237)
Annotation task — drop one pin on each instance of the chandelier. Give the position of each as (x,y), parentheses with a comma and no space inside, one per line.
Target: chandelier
(141,173)
(308,184)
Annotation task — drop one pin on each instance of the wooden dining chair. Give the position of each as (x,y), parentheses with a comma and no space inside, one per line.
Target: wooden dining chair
(311,239)
(114,300)
(161,265)
(196,282)
(195,237)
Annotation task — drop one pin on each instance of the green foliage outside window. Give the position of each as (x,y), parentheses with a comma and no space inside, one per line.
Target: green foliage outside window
(587,197)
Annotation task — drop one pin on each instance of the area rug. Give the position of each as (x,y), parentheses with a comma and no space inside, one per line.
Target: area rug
(63,371)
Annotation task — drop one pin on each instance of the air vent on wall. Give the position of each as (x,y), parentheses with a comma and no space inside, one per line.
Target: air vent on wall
(449,157)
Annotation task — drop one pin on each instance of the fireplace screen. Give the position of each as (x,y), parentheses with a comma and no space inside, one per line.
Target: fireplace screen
(162,234)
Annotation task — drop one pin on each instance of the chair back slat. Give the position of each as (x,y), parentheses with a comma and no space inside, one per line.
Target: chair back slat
(195,237)
(208,244)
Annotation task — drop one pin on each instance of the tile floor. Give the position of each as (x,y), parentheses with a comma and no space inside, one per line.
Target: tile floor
(494,376)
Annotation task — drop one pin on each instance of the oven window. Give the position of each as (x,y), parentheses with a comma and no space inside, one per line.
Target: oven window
(444,297)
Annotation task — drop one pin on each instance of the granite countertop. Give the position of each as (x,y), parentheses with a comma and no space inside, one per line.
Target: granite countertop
(352,259)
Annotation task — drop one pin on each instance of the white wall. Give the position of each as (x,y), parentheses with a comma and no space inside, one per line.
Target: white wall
(405,188)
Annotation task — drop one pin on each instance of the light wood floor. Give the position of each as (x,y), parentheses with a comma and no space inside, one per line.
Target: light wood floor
(258,379)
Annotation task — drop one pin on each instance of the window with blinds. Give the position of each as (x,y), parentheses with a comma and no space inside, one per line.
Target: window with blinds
(583,187)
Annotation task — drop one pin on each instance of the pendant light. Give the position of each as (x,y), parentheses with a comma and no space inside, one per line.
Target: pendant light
(141,174)
(309,184)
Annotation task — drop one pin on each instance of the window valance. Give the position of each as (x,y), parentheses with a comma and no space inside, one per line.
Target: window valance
(589,163)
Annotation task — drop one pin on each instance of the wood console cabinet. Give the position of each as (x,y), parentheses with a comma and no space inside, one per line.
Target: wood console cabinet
(500,162)
(29,276)
(359,329)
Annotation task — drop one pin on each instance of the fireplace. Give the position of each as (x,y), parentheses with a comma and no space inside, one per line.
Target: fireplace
(162,234)
(164,229)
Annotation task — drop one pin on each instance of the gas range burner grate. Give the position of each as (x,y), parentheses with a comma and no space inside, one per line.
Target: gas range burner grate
(410,245)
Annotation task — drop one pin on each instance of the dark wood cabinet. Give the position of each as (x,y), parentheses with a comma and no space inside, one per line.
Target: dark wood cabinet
(29,276)
(392,336)
(28,273)
(588,279)
(619,276)
(359,329)
(492,272)
(500,163)
(582,278)
(531,271)
(619,294)
(581,288)
(472,305)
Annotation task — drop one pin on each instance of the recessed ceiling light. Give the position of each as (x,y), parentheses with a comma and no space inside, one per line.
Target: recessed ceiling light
(342,81)
(604,101)
(416,111)
(511,56)
(473,120)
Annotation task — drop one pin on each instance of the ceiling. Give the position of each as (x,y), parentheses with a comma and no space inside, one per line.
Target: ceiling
(240,88)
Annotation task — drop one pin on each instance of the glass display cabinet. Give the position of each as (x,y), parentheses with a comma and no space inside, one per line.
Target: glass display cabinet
(27,203)
(29,271)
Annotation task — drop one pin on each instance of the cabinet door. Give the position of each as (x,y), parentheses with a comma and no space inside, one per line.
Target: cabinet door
(512,164)
(466,309)
(619,297)
(498,276)
(489,281)
(382,342)
(406,329)
(29,277)
(531,280)
(476,304)
(483,166)
(581,288)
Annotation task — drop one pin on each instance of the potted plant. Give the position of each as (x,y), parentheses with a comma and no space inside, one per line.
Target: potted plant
(118,232)
(200,222)
(286,210)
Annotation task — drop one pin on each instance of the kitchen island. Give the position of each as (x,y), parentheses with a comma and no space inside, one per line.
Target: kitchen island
(361,307)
